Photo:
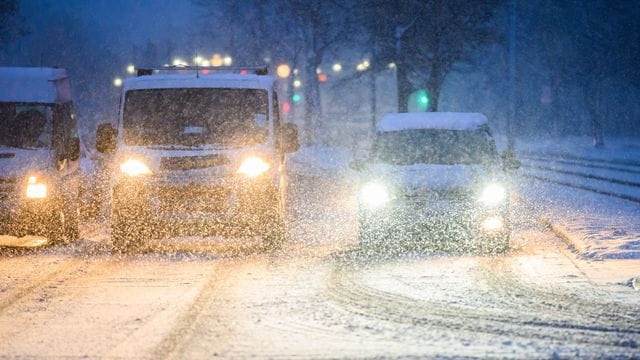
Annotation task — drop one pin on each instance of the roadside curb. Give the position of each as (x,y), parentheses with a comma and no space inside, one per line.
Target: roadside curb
(574,240)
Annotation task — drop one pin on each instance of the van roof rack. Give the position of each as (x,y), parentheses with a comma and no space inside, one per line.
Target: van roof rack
(258,70)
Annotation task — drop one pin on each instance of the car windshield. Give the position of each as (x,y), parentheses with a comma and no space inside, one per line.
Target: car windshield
(195,116)
(428,146)
(25,125)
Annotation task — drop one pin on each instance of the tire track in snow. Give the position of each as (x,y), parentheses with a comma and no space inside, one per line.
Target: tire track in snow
(501,318)
(64,270)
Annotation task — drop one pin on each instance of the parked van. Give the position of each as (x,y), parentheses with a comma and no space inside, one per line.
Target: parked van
(198,151)
(39,154)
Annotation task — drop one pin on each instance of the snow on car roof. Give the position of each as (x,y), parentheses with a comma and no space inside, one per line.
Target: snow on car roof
(163,81)
(431,120)
(34,84)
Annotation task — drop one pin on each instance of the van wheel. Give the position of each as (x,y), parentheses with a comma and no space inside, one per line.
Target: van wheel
(127,230)
(55,228)
(274,234)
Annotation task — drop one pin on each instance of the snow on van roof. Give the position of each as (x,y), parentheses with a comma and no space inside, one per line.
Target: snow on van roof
(162,81)
(431,120)
(34,84)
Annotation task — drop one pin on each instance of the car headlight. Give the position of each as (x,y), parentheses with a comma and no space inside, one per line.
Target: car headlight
(493,194)
(374,195)
(133,167)
(35,188)
(253,166)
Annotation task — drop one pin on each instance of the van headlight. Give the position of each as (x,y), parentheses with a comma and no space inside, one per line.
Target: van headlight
(36,189)
(493,194)
(253,166)
(134,167)
(374,195)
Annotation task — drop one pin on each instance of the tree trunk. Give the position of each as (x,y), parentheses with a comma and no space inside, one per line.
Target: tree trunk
(312,110)
(403,86)
(433,93)
(591,99)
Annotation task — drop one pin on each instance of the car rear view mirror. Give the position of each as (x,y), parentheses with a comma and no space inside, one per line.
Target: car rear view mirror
(290,141)
(106,138)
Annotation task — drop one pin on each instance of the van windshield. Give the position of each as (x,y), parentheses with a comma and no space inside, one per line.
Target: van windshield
(195,116)
(428,146)
(25,125)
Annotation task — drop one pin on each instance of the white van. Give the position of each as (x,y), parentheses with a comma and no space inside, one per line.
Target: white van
(39,154)
(198,151)
(435,177)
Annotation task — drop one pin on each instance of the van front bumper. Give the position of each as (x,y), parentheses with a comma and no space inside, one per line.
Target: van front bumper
(201,206)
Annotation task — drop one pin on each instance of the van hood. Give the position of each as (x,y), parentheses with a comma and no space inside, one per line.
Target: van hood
(17,162)
(432,176)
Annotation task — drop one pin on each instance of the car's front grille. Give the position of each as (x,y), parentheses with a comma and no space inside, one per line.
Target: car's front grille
(427,195)
(198,198)
(193,162)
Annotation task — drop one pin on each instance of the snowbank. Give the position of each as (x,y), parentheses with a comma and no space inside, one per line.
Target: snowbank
(431,120)
(555,176)
(318,160)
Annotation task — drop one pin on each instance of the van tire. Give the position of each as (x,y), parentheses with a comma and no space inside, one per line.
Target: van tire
(127,230)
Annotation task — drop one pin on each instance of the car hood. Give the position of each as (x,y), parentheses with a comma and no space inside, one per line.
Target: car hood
(17,162)
(431,176)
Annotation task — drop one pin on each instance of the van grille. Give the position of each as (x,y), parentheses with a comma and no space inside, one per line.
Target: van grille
(192,162)
(197,198)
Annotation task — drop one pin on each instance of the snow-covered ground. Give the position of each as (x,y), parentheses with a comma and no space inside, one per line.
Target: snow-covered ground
(589,196)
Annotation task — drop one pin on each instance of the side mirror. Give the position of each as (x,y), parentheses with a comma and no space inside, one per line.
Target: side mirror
(357,165)
(106,138)
(509,161)
(290,138)
(73,149)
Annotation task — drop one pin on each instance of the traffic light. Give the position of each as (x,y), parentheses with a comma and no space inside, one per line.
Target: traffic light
(423,99)
(296,98)
(418,101)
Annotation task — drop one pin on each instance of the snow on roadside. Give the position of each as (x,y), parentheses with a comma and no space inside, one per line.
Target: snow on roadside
(318,160)
(598,226)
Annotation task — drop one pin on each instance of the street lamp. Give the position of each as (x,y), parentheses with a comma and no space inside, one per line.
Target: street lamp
(227,60)
(297,83)
(283,71)
(337,67)
(216,60)
(117,82)
(179,62)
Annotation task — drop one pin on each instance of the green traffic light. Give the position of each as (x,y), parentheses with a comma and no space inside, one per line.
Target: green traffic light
(296,98)
(422,98)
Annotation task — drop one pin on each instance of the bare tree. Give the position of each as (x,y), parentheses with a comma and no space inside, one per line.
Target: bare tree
(425,39)
(12,24)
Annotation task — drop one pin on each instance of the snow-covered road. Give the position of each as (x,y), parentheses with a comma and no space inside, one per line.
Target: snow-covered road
(320,297)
